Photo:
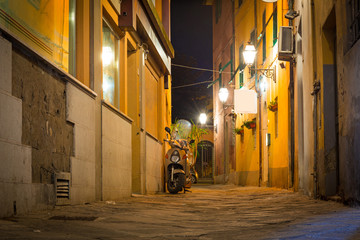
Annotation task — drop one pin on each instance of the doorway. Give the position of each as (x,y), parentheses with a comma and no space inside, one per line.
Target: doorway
(204,161)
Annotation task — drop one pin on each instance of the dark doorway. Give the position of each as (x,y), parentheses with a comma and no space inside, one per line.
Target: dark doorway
(204,161)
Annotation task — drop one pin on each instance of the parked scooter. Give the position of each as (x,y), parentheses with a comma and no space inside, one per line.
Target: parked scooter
(177,164)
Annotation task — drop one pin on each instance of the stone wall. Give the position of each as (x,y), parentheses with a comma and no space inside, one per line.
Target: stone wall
(18,194)
(44,125)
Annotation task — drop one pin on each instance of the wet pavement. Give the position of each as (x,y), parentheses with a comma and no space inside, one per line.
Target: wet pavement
(209,212)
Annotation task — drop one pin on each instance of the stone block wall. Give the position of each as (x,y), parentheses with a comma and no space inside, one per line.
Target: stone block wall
(116,154)
(154,168)
(17,193)
(80,111)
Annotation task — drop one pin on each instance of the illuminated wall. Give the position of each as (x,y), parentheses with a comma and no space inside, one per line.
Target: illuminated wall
(272,162)
(43,25)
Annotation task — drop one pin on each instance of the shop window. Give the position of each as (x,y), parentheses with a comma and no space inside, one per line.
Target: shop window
(353,18)
(110,63)
(45,26)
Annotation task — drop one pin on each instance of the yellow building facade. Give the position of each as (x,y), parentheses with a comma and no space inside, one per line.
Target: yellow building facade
(86,87)
(262,152)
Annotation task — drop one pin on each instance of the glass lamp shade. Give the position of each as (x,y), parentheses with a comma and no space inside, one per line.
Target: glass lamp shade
(223,94)
(202,118)
(249,54)
(269,1)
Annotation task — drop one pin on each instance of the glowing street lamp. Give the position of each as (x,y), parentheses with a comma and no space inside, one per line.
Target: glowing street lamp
(249,54)
(223,94)
(249,58)
(203,118)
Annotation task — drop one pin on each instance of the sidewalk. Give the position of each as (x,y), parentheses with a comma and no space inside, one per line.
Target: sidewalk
(209,212)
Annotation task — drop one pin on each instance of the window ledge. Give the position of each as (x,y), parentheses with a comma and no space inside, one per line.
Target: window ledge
(116,111)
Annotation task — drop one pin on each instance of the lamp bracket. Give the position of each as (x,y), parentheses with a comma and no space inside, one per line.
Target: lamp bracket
(267,72)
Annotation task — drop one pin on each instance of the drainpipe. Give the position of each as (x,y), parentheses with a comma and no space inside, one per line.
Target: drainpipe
(142,61)
(292,109)
(257,88)
(315,95)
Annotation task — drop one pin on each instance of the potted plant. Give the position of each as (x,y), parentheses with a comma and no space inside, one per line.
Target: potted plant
(250,124)
(273,105)
(239,131)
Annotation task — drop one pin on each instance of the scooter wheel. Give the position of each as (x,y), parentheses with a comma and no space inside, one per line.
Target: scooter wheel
(177,184)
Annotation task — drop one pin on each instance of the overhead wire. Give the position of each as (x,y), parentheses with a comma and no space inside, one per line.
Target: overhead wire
(200,69)
(189,85)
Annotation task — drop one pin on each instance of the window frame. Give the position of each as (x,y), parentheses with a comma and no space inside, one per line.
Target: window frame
(116,103)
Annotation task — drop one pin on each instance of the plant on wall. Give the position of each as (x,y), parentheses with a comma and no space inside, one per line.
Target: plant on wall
(250,124)
(239,131)
(273,105)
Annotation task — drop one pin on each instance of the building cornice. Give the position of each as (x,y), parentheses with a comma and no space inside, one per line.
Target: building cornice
(159,27)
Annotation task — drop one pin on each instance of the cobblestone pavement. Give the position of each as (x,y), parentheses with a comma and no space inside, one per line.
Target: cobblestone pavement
(209,212)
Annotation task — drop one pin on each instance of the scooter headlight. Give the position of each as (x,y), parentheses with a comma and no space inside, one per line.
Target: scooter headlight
(175,157)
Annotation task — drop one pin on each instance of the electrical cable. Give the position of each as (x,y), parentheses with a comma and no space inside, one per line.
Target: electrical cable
(200,69)
(189,85)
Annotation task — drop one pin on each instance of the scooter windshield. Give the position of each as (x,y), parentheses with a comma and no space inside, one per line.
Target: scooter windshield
(181,130)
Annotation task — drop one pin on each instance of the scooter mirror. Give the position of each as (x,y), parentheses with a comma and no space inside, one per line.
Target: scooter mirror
(192,141)
(167,130)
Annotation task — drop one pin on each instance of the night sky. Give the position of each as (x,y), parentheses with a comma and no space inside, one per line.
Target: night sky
(191,36)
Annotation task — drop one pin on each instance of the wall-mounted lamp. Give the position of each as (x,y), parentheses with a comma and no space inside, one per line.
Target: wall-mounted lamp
(223,94)
(249,57)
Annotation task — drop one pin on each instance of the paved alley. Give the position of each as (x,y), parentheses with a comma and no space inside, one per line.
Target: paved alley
(209,212)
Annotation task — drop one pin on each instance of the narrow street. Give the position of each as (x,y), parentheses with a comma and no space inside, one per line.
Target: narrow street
(209,212)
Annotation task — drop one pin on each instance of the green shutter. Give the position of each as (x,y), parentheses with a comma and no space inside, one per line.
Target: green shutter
(275,25)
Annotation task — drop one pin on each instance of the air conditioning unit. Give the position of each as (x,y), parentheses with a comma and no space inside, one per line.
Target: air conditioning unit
(286,43)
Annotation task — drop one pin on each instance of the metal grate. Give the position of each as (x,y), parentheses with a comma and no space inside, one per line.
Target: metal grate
(62,187)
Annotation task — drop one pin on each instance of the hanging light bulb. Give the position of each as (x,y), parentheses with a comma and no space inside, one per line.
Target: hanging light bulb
(203,118)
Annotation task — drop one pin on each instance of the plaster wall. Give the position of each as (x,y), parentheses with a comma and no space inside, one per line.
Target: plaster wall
(316,62)
(303,99)
(116,155)
(154,166)
(348,74)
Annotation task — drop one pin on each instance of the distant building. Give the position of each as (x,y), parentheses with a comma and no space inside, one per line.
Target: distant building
(85,91)
(223,66)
